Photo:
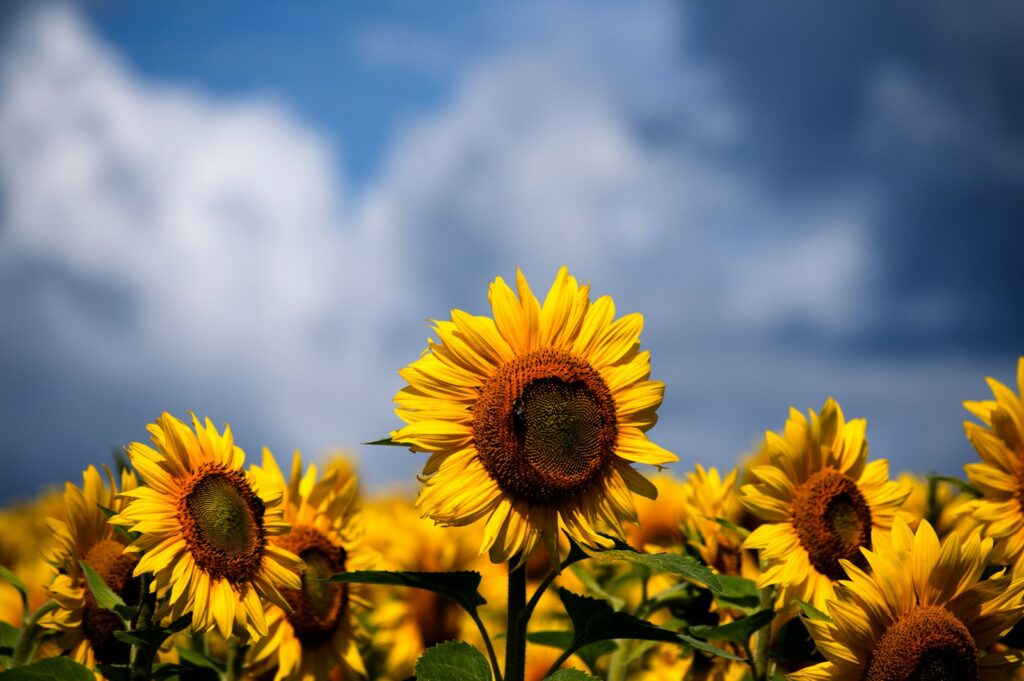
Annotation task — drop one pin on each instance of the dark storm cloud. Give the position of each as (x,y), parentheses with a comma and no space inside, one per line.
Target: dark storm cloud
(925,103)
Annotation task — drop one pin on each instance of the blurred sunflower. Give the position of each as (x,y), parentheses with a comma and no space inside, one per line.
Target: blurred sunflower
(533,418)
(319,634)
(921,613)
(939,502)
(710,498)
(87,631)
(25,542)
(405,621)
(204,526)
(821,501)
(660,520)
(1000,475)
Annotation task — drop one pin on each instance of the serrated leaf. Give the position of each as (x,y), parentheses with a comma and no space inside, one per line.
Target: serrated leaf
(810,612)
(738,632)
(587,579)
(460,587)
(706,647)
(50,669)
(388,442)
(562,640)
(669,563)
(13,580)
(453,661)
(594,620)
(739,591)
(570,675)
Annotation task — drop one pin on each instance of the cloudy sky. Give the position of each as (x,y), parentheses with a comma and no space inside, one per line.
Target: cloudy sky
(253,212)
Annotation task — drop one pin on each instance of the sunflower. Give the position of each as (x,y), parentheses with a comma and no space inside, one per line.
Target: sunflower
(661,520)
(533,418)
(318,635)
(940,502)
(1000,475)
(921,613)
(87,631)
(203,529)
(821,501)
(711,498)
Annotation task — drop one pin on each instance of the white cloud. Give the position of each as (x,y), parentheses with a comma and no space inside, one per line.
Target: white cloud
(245,272)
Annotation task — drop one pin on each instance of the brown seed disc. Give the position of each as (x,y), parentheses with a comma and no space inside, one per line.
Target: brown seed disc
(926,644)
(545,426)
(319,607)
(222,520)
(108,559)
(833,521)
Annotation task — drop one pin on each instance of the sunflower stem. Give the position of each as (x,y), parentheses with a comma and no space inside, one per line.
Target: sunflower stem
(515,637)
(26,642)
(763,638)
(141,660)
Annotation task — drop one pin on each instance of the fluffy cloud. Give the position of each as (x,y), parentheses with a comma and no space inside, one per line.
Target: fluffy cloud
(161,248)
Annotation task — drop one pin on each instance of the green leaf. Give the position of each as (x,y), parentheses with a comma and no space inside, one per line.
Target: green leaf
(793,643)
(810,612)
(587,579)
(17,584)
(964,486)
(697,644)
(563,639)
(739,591)
(570,675)
(738,632)
(182,672)
(730,525)
(8,639)
(50,669)
(594,620)
(151,639)
(671,563)
(114,672)
(104,595)
(453,661)
(461,587)
(197,659)
(388,442)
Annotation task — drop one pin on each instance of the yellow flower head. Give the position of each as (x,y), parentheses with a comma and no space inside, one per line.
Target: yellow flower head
(711,497)
(533,418)
(1000,475)
(923,612)
(204,527)
(318,635)
(88,630)
(660,519)
(821,501)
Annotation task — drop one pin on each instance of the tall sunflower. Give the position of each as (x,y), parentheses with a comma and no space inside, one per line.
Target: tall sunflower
(1000,475)
(203,527)
(820,499)
(709,499)
(922,613)
(533,418)
(318,635)
(87,631)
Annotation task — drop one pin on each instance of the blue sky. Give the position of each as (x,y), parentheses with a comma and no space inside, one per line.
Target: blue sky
(252,212)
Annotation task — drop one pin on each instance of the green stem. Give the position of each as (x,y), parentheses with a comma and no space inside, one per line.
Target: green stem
(515,637)
(141,660)
(487,642)
(236,660)
(26,643)
(763,638)
(556,665)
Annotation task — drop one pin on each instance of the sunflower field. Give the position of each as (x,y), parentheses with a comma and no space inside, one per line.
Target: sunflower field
(546,540)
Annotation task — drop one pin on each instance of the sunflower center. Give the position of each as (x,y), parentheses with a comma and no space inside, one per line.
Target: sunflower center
(108,559)
(545,426)
(317,608)
(833,521)
(926,644)
(222,520)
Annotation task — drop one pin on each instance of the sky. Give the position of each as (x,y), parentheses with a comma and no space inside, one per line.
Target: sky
(254,212)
